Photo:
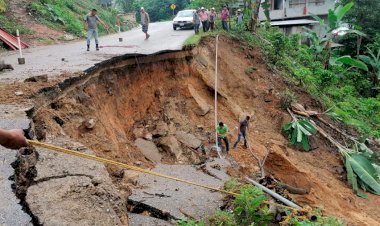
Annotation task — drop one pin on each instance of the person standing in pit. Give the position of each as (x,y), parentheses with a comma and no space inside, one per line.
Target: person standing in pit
(222,130)
(243,132)
(91,25)
(212,18)
(224,16)
(196,21)
(145,20)
(13,139)
(204,19)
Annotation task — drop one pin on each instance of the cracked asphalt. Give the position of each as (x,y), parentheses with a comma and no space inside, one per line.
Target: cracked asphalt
(54,60)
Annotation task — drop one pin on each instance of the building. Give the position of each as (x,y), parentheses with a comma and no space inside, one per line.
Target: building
(292,15)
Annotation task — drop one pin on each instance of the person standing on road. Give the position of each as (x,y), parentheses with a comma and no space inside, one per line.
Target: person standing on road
(91,26)
(243,132)
(196,21)
(222,130)
(212,18)
(145,20)
(13,139)
(224,16)
(204,19)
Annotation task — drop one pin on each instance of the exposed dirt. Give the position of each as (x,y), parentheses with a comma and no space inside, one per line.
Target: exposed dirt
(124,97)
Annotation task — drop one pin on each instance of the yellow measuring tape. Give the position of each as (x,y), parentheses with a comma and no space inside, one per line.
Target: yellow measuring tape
(126,166)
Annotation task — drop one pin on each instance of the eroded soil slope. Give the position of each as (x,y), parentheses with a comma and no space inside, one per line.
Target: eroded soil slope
(121,105)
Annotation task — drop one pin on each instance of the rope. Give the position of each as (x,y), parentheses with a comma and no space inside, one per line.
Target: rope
(126,166)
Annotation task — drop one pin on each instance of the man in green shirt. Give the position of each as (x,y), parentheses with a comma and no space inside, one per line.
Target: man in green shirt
(222,130)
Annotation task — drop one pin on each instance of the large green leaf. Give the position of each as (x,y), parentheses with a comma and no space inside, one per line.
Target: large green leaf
(351,177)
(348,60)
(308,126)
(366,164)
(352,31)
(341,11)
(364,175)
(332,19)
(299,131)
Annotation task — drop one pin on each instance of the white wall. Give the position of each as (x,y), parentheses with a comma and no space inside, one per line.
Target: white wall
(298,12)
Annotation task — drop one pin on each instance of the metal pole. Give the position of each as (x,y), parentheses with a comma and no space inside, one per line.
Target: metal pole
(216,95)
(274,194)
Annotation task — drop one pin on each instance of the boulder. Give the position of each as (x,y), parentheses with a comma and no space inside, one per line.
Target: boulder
(188,139)
(19,93)
(89,123)
(130,177)
(162,129)
(203,108)
(149,150)
(171,145)
(39,78)
(138,132)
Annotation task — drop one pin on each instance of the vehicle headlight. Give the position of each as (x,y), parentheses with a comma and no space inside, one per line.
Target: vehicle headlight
(175,22)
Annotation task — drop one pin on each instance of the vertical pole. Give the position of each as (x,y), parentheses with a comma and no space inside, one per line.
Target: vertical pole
(19,43)
(216,95)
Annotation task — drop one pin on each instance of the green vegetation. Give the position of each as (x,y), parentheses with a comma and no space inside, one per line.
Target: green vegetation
(348,91)
(11,25)
(68,15)
(338,82)
(3,6)
(299,132)
(251,207)
(365,17)
(217,4)
(195,39)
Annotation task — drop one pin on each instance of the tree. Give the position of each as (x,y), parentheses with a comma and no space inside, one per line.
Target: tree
(322,46)
(160,10)
(217,4)
(255,16)
(364,16)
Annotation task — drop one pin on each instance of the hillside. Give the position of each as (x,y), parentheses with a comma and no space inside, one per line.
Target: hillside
(44,22)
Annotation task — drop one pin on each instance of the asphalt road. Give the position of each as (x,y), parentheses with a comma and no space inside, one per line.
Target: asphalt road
(11,212)
(72,57)
(49,60)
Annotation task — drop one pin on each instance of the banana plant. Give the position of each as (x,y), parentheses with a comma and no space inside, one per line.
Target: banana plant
(331,31)
(299,131)
(373,60)
(348,60)
(361,174)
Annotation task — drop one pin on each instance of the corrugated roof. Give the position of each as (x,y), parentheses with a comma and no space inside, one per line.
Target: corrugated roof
(293,22)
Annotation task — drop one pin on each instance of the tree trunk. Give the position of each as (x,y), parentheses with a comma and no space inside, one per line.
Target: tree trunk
(255,14)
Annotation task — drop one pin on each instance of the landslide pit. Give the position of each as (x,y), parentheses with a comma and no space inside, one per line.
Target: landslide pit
(163,104)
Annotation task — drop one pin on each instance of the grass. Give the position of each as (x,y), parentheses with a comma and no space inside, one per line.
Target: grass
(68,15)
(11,25)
(195,39)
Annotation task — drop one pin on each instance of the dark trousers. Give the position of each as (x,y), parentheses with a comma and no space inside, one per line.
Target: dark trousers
(212,26)
(196,28)
(205,25)
(225,139)
(225,25)
(241,135)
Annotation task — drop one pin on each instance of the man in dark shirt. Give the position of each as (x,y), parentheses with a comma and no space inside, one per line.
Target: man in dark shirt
(91,25)
(243,132)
